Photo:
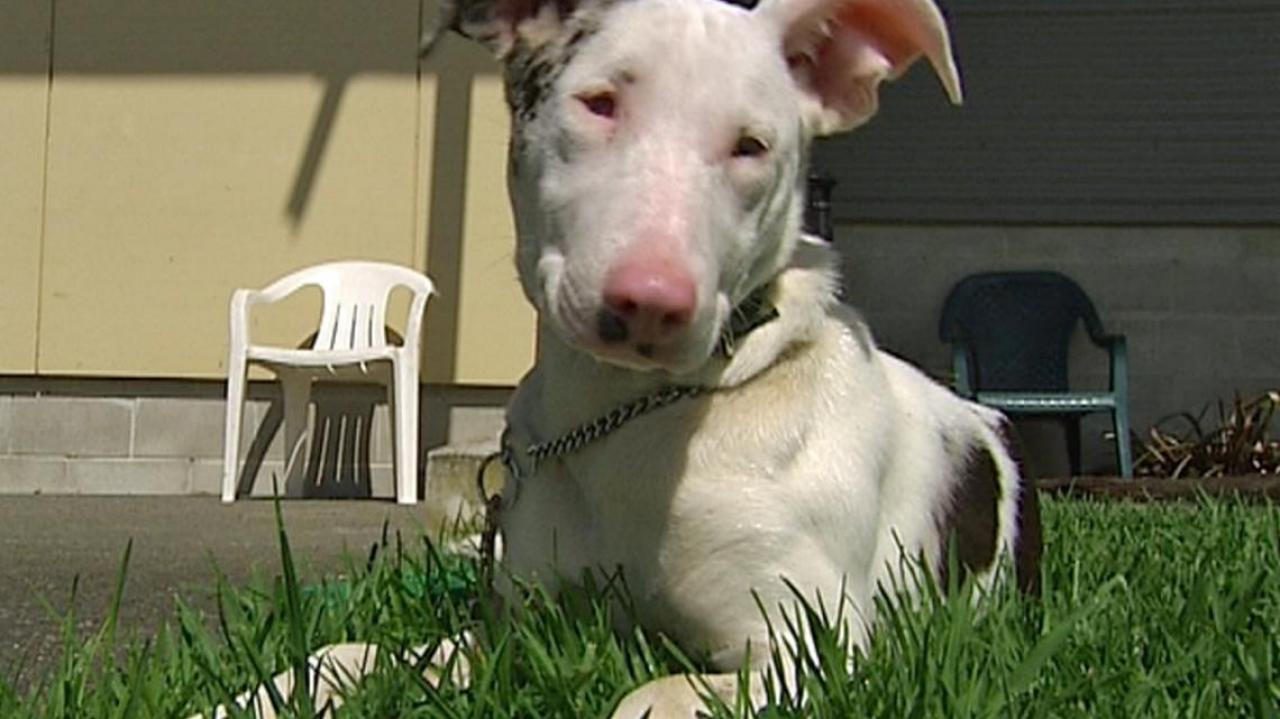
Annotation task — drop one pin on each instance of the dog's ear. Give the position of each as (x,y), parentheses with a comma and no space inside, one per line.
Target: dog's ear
(497,23)
(840,50)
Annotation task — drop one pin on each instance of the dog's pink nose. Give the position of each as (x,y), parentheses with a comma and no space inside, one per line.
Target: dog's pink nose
(646,303)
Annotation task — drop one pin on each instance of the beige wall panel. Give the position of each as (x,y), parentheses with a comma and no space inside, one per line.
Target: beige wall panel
(176,176)
(496,326)
(24,61)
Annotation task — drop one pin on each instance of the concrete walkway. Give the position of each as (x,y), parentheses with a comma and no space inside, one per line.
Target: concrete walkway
(48,541)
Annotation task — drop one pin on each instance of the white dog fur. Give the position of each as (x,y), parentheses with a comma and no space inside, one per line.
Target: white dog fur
(657,166)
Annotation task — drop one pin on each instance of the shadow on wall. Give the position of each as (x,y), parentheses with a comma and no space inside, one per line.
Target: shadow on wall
(334,43)
(455,63)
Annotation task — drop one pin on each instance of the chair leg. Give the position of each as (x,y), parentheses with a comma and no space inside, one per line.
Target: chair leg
(235,417)
(1124,449)
(404,413)
(297,404)
(1072,427)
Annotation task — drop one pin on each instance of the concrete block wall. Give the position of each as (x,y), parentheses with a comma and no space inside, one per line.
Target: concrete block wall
(165,437)
(1200,305)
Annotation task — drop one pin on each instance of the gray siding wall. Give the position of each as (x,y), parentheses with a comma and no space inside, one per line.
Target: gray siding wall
(1125,111)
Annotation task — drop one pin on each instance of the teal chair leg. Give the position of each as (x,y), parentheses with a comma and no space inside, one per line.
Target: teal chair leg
(1071,426)
(1120,386)
(1124,452)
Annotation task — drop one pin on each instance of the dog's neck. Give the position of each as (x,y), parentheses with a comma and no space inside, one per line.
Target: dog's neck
(802,293)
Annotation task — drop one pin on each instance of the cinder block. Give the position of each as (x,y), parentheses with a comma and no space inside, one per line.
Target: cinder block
(1199,346)
(374,481)
(382,481)
(1143,334)
(72,426)
(34,475)
(1101,244)
(1044,246)
(380,441)
(268,479)
(129,476)
(1200,395)
(914,337)
(915,283)
(6,424)
(1259,356)
(1228,246)
(180,428)
(1152,397)
(476,425)
(451,494)
(1246,289)
(1124,286)
(856,242)
(206,477)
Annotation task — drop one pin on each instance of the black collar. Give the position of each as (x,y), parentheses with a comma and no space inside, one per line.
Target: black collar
(755,310)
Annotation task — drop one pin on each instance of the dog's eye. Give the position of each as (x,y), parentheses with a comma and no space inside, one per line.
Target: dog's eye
(601,104)
(750,146)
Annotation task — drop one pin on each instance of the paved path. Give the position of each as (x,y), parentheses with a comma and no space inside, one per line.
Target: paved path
(46,542)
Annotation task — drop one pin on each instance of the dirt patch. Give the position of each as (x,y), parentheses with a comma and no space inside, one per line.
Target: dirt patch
(1257,488)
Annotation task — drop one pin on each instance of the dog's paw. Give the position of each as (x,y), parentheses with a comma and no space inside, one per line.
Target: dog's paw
(448,661)
(682,696)
(332,670)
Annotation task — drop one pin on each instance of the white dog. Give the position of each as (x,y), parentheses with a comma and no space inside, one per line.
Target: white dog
(703,414)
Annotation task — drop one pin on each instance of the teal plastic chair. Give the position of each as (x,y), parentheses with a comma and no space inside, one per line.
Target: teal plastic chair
(1009,333)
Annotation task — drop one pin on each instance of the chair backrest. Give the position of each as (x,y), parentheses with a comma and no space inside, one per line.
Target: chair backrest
(1016,328)
(355,293)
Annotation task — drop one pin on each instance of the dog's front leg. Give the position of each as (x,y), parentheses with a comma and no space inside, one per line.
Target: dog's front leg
(336,669)
(332,670)
(682,696)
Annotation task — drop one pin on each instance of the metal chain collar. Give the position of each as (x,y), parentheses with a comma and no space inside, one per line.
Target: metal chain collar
(582,435)
(610,422)
(757,309)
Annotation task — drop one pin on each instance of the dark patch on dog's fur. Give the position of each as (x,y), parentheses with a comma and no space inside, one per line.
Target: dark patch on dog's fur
(1030,546)
(529,76)
(532,70)
(972,519)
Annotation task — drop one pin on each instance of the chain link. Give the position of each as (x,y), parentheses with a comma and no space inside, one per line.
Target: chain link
(583,434)
(610,422)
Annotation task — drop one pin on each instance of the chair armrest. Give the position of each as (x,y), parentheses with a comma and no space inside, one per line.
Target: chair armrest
(413,327)
(961,380)
(1106,341)
(239,341)
(242,300)
(1118,348)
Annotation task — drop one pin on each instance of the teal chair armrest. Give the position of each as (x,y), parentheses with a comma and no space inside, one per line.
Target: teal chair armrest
(961,381)
(1118,348)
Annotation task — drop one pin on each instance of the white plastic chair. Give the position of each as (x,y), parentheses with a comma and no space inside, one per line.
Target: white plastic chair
(350,343)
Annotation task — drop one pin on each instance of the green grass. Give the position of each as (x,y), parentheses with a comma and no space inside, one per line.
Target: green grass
(1148,611)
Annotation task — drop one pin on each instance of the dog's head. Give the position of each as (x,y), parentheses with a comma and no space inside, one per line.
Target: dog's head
(658,149)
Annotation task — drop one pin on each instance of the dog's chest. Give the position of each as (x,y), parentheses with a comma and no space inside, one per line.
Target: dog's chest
(706,504)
